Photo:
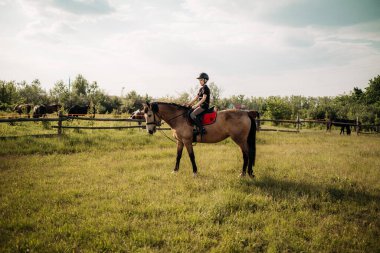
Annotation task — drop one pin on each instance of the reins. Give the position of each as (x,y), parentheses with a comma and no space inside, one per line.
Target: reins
(159,124)
(170,139)
(162,131)
(164,134)
(176,116)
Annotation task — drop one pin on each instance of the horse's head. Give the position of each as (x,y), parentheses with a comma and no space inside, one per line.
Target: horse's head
(152,118)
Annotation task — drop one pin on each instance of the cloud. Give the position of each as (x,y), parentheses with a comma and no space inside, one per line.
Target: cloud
(158,47)
(45,32)
(69,11)
(84,7)
(326,13)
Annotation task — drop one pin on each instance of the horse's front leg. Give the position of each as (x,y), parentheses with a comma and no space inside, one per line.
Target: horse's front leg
(179,155)
(190,150)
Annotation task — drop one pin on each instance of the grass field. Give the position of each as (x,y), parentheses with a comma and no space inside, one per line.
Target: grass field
(113,191)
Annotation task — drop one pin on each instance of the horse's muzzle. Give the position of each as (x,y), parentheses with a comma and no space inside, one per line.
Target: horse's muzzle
(151,131)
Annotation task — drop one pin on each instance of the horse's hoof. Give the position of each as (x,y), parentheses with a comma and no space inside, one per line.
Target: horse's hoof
(242,174)
(174,171)
(252,176)
(195,174)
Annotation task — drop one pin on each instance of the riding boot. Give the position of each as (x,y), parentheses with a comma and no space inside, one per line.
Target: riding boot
(200,128)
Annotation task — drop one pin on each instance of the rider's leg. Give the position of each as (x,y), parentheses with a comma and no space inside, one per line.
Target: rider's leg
(197,121)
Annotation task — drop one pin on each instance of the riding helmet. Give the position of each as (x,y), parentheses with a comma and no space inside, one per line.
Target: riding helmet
(203,76)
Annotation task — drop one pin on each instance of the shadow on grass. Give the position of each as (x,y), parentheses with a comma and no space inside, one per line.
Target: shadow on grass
(283,189)
(32,136)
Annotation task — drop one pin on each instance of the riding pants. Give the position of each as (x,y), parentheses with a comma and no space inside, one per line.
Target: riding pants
(196,112)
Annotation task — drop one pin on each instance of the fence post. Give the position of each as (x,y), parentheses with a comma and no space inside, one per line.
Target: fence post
(258,125)
(357,125)
(298,122)
(328,125)
(60,123)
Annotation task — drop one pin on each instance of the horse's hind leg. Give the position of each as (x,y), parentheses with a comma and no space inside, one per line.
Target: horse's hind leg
(244,149)
(251,158)
(245,162)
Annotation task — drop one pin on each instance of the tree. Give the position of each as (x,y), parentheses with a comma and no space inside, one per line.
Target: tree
(80,86)
(357,94)
(92,91)
(33,93)
(107,104)
(238,101)
(8,95)
(372,93)
(297,103)
(278,108)
(257,104)
(216,93)
(60,93)
(133,101)
(183,98)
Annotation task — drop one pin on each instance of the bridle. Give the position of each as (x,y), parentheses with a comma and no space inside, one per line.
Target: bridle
(158,122)
(154,122)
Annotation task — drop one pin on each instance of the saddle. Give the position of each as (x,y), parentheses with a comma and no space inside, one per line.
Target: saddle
(207,117)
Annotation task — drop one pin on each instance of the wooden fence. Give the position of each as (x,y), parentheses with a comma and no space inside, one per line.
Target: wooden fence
(300,122)
(61,118)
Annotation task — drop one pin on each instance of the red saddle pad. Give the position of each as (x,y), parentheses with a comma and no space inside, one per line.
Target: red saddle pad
(209,118)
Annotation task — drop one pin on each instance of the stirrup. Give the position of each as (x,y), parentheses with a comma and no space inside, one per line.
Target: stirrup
(197,130)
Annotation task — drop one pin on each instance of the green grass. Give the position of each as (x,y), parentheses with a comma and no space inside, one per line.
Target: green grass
(112,191)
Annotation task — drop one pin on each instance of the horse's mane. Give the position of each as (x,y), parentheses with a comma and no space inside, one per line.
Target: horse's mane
(173,104)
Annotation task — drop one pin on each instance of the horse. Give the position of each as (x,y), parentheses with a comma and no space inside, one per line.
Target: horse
(138,114)
(39,111)
(53,108)
(78,110)
(343,124)
(23,108)
(237,124)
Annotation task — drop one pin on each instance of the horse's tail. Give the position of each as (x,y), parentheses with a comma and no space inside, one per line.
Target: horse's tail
(252,138)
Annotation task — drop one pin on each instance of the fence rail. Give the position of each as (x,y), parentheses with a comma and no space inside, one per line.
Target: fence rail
(12,120)
(100,127)
(63,118)
(102,119)
(298,123)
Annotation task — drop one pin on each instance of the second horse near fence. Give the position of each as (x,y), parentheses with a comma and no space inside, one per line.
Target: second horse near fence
(42,110)
(239,125)
(343,124)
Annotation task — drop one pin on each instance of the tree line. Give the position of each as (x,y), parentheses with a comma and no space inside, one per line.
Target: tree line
(364,104)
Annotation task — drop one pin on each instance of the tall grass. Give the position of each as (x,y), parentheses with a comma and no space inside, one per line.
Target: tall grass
(112,191)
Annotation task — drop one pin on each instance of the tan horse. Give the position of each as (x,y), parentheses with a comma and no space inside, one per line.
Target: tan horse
(239,125)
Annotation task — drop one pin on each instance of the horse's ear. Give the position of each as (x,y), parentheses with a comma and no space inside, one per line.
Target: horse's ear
(145,107)
(155,107)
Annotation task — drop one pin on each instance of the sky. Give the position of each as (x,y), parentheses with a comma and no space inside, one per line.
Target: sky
(159,47)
